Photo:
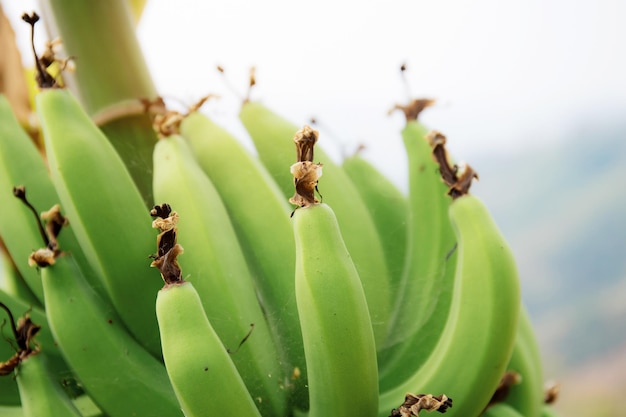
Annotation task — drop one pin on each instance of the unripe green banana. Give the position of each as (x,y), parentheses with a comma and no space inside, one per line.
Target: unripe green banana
(273,138)
(23,165)
(9,394)
(260,216)
(105,209)
(121,377)
(204,377)
(475,347)
(526,396)
(336,328)
(425,293)
(216,266)
(41,395)
(388,207)
(502,410)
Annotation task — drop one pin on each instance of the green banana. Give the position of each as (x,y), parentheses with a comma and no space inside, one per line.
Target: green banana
(502,410)
(41,395)
(261,221)
(205,378)
(527,396)
(388,207)
(425,292)
(216,266)
(9,394)
(12,283)
(272,136)
(17,229)
(336,328)
(476,344)
(96,344)
(105,209)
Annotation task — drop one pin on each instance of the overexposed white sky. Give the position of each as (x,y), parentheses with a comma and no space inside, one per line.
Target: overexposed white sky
(506,74)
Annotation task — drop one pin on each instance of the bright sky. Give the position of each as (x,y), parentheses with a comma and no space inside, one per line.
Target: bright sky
(506,74)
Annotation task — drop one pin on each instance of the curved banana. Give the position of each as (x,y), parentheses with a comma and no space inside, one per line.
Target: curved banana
(388,207)
(98,347)
(23,166)
(41,395)
(477,341)
(527,396)
(9,394)
(425,293)
(260,216)
(105,209)
(273,138)
(338,338)
(205,379)
(216,266)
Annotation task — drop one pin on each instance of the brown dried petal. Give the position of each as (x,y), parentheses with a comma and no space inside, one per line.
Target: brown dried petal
(306,175)
(169,267)
(305,140)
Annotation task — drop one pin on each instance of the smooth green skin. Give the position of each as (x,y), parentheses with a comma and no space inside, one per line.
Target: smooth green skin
(336,328)
(549,411)
(22,164)
(105,209)
(424,295)
(202,372)
(41,394)
(262,225)
(9,394)
(121,377)
(215,264)
(527,396)
(388,207)
(11,411)
(477,342)
(502,410)
(273,139)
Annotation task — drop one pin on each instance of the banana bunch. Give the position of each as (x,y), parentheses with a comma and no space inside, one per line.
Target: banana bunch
(295,294)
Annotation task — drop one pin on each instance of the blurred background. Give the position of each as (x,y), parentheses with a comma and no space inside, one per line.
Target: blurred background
(531,93)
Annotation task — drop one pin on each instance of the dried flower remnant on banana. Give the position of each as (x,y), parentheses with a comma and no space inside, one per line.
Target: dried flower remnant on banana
(413,404)
(458,178)
(305,172)
(24,332)
(508,380)
(54,222)
(45,62)
(167,248)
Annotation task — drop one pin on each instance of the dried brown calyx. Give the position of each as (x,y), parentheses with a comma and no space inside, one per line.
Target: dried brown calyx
(167,122)
(305,172)
(413,404)
(551,393)
(508,380)
(54,223)
(24,332)
(43,63)
(168,249)
(458,178)
(414,108)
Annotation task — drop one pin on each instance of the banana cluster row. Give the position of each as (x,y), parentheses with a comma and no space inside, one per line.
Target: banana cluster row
(365,301)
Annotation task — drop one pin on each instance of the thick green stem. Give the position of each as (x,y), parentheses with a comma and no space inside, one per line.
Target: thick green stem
(110,69)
